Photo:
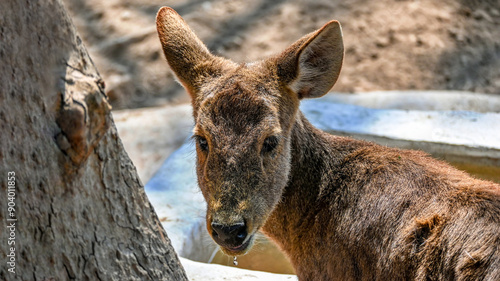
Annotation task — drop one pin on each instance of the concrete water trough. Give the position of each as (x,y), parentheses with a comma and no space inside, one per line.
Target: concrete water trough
(462,128)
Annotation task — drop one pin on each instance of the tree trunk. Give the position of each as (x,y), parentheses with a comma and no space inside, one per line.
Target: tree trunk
(72,206)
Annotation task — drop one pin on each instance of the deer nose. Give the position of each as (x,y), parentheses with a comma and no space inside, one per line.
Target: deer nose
(229,235)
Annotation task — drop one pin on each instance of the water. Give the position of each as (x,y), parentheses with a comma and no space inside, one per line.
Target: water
(264,256)
(490,173)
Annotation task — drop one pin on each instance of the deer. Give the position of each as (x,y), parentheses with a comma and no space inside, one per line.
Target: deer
(339,208)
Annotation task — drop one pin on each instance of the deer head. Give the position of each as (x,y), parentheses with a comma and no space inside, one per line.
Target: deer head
(244,115)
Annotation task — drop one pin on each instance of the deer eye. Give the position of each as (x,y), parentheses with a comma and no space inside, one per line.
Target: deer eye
(270,143)
(202,143)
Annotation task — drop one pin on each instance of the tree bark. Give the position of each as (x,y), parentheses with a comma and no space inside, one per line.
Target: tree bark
(80,210)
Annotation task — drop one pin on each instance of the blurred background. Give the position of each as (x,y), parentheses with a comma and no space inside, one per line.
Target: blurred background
(390,44)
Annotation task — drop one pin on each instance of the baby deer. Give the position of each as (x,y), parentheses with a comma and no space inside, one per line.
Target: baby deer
(341,209)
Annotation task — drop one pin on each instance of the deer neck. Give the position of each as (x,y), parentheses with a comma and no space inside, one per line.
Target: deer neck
(306,199)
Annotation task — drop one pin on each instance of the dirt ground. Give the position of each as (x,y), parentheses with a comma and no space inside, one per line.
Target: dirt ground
(390,44)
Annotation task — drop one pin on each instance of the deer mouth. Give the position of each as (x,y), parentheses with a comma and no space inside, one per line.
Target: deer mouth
(240,249)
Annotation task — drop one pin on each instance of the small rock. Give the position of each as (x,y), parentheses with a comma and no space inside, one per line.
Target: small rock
(382,42)
(206,5)
(126,15)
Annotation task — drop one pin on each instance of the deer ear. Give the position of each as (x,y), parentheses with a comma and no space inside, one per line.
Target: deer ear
(311,66)
(187,56)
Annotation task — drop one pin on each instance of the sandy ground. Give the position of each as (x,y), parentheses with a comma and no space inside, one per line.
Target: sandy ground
(390,44)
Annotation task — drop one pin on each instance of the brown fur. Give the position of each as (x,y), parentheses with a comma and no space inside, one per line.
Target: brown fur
(341,209)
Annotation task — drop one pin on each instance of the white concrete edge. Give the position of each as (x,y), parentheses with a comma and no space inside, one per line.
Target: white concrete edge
(198,271)
(464,128)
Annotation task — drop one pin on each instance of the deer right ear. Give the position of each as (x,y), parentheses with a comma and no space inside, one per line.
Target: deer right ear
(188,57)
(310,67)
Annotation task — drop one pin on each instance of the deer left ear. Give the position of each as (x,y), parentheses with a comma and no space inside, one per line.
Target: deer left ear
(311,66)
(188,57)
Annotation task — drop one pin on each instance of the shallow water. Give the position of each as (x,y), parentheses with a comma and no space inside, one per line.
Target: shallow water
(490,173)
(264,256)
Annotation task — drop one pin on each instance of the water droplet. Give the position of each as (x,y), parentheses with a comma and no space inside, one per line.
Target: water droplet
(235,261)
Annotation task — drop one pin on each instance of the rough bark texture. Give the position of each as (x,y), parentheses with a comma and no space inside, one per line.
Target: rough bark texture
(80,210)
